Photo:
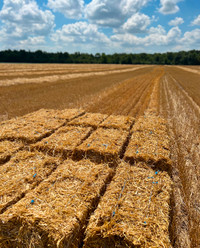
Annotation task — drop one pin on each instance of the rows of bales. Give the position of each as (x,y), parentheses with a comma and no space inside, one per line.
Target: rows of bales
(76,179)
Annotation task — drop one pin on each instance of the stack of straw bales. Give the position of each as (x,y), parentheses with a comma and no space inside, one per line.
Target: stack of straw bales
(56,212)
(22,173)
(103,145)
(36,125)
(118,122)
(89,119)
(134,211)
(7,148)
(150,143)
(63,141)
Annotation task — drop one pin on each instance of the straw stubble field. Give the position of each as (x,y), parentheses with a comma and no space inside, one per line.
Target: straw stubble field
(123,172)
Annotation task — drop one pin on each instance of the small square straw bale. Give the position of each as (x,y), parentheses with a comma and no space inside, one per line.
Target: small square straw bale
(34,126)
(63,141)
(7,148)
(29,131)
(65,114)
(151,123)
(22,173)
(89,119)
(103,145)
(134,211)
(69,114)
(150,143)
(118,122)
(56,212)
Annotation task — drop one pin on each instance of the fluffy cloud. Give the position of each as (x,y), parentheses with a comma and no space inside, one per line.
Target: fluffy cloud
(22,20)
(196,21)
(159,30)
(169,6)
(112,13)
(69,8)
(80,36)
(137,23)
(176,22)
(191,37)
(157,36)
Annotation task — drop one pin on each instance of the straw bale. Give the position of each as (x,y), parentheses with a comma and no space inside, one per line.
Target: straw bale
(22,173)
(134,211)
(103,145)
(55,213)
(118,121)
(7,148)
(89,119)
(150,143)
(63,141)
(150,122)
(35,126)
(29,131)
(66,114)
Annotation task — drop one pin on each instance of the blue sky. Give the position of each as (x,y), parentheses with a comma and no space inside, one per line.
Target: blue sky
(93,26)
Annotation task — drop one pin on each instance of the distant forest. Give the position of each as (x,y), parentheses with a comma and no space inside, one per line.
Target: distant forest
(170,58)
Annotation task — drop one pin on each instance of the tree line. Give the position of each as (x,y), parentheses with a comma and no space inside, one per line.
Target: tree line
(169,58)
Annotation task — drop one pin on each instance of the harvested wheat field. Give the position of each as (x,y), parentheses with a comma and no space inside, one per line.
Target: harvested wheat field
(99,156)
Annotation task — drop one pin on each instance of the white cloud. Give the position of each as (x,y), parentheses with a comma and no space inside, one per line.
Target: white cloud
(156,37)
(112,13)
(191,37)
(137,23)
(157,30)
(22,20)
(69,8)
(196,21)
(169,6)
(80,36)
(34,41)
(176,22)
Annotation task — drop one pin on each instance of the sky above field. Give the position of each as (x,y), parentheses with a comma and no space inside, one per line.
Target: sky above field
(97,26)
